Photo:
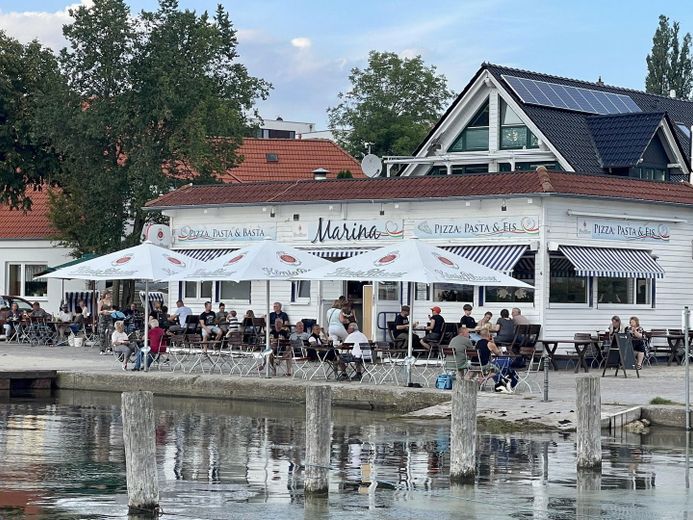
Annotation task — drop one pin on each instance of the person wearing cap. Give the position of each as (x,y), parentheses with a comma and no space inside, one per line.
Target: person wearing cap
(401,329)
(434,329)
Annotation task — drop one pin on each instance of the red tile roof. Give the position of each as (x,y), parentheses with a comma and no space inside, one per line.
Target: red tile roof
(296,160)
(34,224)
(418,188)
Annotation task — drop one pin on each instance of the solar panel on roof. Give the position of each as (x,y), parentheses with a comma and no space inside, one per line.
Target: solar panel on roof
(566,97)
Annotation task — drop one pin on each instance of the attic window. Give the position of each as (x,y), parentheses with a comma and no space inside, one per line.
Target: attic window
(272,157)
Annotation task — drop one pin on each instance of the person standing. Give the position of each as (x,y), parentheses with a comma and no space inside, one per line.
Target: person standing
(335,322)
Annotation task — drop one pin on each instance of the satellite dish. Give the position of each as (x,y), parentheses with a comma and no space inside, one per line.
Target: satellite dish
(372,165)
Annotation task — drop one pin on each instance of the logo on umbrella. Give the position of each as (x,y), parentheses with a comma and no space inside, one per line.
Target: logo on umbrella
(387,259)
(175,261)
(235,259)
(445,261)
(160,234)
(121,261)
(287,258)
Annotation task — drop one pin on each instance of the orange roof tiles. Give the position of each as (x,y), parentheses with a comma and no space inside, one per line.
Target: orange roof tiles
(436,187)
(296,160)
(34,224)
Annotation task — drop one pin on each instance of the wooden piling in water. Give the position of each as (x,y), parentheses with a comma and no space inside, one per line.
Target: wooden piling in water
(140,453)
(318,439)
(463,430)
(589,414)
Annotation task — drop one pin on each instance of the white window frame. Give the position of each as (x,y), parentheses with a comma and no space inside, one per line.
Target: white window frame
(649,304)
(22,280)
(235,301)
(296,286)
(198,291)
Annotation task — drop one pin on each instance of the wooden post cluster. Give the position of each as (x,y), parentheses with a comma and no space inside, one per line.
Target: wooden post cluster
(318,439)
(589,415)
(463,430)
(140,453)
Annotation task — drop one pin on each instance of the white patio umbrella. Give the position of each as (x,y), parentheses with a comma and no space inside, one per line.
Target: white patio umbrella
(266,260)
(145,261)
(413,261)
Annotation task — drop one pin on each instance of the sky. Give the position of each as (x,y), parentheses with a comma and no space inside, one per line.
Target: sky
(306,49)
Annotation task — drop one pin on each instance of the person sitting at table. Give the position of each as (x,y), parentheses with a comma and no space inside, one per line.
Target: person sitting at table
(434,329)
(277,334)
(250,333)
(120,342)
(298,339)
(12,319)
(505,327)
(356,338)
(38,312)
(278,313)
(209,329)
(66,318)
(316,339)
(401,330)
(467,320)
(638,339)
(614,327)
(486,348)
(156,339)
(460,344)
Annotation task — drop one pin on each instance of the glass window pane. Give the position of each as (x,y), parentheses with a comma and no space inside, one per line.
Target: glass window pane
(422,291)
(480,118)
(235,291)
(452,292)
(14,280)
(614,290)
(567,289)
(508,115)
(509,294)
(513,137)
(388,291)
(32,286)
(190,289)
(206,290)
(642,291)
(300,289)
(475,139)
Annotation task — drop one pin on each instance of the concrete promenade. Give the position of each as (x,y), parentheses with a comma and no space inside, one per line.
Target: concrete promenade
(84,369)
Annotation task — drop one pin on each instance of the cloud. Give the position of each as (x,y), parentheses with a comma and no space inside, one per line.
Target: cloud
(46,27)
(301,43)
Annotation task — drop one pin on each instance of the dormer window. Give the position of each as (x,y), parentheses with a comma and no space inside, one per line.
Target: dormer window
(514,134)
(272,157)
(475,135)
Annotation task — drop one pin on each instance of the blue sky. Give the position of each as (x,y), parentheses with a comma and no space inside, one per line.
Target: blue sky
(306,48)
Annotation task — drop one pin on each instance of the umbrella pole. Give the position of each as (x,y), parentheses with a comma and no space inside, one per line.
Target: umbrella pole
(268,349)
(410,338)
(145,349)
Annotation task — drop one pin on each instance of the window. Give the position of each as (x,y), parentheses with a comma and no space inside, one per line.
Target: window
(422,291)
(530,167)
(198,290)
(459,169)
(190,290)
(300,291)
(22,281)
(624,291)
(388,291)
(502,294)
(452,292)
(564,285)
(237,291)
(514,134)
(649,173)
(475,135)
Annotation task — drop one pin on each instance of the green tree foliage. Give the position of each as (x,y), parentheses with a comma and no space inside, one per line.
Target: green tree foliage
(669,63)
(345,174)
(392,103)
(148,103)
(26,158)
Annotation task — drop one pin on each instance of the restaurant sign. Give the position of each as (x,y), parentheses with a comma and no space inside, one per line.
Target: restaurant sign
(329,230)
(519,226)
(624,230)
(230,233)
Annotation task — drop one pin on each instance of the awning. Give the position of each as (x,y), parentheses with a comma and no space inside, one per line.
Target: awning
(500,258)
(76,261)
(612,263)
(205,254)
(337,253)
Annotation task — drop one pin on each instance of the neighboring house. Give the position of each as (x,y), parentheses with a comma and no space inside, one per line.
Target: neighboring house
(26,249)
(508,119)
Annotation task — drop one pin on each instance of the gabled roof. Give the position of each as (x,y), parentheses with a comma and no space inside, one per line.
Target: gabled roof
(32,225)
(428,187)
(568,130)
(621,139)
(289,159)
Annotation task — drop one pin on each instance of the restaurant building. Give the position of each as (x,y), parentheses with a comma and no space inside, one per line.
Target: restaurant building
(606,230)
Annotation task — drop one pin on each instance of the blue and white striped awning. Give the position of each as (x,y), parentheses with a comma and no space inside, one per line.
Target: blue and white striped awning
(205,254)
(500,258)
(612,263)
(338,253)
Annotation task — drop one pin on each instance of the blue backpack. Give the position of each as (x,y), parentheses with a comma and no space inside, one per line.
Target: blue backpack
(444,382)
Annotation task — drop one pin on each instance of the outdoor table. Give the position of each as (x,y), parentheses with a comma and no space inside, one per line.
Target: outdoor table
(580,345)
(675,342)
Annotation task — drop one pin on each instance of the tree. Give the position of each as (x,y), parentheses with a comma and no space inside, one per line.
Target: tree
(669,63)
(149,103)
(392,104)
(26,73)
(345,174)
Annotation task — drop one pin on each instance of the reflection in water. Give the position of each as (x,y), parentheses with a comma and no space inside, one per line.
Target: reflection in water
(64,460)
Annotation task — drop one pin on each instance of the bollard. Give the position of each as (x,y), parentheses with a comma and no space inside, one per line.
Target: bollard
(589,414)
(140,453)
(463,430)
(546,360)
(318,439)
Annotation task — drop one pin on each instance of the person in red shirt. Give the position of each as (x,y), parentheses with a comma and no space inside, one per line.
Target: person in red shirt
(157,343)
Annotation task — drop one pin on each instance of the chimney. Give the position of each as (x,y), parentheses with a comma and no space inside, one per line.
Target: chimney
(672,94)
(320,174)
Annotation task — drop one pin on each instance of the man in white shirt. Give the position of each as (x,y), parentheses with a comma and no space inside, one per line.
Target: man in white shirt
(356,338)
(181,314)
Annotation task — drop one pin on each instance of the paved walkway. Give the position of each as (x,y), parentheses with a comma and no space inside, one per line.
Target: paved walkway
(618,393)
